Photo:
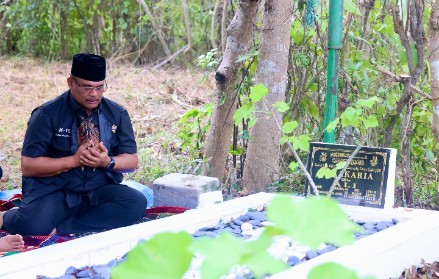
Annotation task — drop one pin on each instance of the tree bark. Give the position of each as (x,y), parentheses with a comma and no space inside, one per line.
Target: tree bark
(239,37)
(157,29)
(433,58)
(213,24)
(187,22)
(262,158)
(224,25)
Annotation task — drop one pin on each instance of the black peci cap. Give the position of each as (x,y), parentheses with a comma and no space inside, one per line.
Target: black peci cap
(89,67)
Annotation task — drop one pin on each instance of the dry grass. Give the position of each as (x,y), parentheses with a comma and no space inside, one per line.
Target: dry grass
(155,100)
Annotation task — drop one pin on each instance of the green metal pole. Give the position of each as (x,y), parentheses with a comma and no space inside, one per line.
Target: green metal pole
(335,31)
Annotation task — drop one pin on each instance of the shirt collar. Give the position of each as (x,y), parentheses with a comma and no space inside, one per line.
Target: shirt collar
(77,107)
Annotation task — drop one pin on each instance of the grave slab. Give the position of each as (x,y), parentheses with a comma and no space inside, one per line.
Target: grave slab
(384,254)
(185,190)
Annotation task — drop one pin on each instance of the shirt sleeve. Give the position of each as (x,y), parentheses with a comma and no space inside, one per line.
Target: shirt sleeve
(38,138)
(127,143)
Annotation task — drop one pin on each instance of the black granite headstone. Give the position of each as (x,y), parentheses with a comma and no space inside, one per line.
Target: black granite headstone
(365,182)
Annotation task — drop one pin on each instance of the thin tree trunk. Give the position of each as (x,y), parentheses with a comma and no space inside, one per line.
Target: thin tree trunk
(224,25)
(157,30)
(187,21)
(263,153)
(433,50)
(212,25)
(239,37)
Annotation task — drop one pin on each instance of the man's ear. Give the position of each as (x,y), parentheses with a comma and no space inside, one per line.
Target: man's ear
(70,82)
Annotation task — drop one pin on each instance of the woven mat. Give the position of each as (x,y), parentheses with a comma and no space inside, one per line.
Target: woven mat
(35,242)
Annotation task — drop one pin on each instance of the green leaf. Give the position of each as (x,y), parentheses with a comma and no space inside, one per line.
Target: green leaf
(302,143)
(305,220)
(351,7)
(165,255)
(281,106)
(218,260)
(289,127)
(262,263)
(293,166)
(284,139)
(243,112)
(257,92)
(327,173)
(333,125)
(350,117)
(340,165)
(332,270)
(381,110)
(247,56)
(369,103)
(391,99)
(370,122)
(311,108)
(430,155)
(252,122)
(216,264)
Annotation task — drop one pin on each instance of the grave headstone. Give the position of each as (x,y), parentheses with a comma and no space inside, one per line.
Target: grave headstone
(368,181)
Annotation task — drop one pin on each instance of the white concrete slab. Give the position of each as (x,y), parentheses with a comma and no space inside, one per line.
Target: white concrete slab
(383,254)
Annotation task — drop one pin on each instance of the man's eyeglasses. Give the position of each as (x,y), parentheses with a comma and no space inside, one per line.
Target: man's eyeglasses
(89,89)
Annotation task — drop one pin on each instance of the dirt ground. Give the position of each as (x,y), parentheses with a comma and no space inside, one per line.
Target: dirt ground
(155,100)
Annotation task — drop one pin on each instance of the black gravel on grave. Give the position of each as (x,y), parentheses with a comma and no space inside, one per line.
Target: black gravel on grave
(256,218)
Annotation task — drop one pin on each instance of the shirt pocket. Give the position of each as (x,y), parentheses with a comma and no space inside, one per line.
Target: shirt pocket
(62,143)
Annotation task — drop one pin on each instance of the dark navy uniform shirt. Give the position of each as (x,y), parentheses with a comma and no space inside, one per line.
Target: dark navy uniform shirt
(53,132)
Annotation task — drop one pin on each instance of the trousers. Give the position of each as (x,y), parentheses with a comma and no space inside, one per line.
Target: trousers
(111,206)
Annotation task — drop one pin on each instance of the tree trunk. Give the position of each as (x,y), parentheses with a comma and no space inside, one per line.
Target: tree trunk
(433,50)
(262,159)
(224,25)
(239,37)
(187,22)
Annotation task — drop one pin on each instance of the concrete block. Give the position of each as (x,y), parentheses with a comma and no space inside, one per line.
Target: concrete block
(185,190)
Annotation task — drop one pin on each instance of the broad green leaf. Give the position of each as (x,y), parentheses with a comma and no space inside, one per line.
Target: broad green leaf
(247,56)
(252,122)
(391,99)
(302,143)
(281,106)
(217,257)
(381,110)
(351,7)
(333,125)
(430,155)
(289,127)
(340,165)
(369,103)
(327,173)
(312,221)
(218,260)
(257,92)
(284,139)
(350,117)
(332,270)
(370,122)
(262,263)
(165,255)
(311,108)
(243,112)
(293,166)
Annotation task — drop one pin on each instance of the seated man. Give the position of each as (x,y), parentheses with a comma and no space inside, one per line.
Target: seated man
(75,150)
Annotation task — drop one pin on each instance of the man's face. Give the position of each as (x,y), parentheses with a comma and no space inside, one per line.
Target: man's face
(87,93)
